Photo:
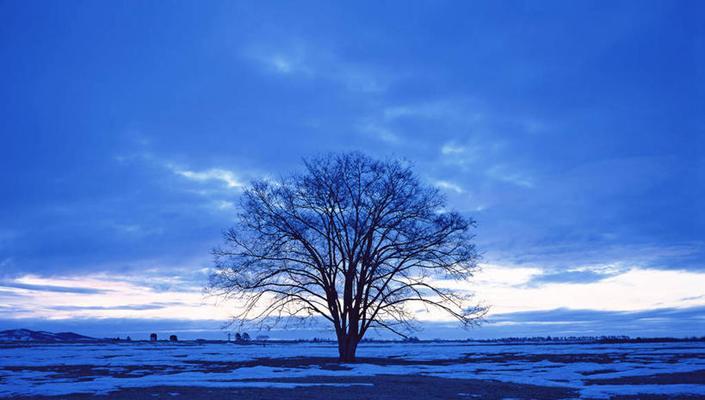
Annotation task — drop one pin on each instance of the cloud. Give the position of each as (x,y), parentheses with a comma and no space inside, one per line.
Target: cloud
(51,288)
(506,174)
(447,185)
(388,122)
(450,148)
(679,322)
(9,294)
(568,251)
(214,174)
(613,189)
(633,289)
(693,298)
(509,290)
(5,265)
(285,63)
(451,111)
(217,185)
(297,58)
(579,275)
(224,205)
(133,307)
(568,315)
(380,132)
(220,175)
(117,296)
(570,277)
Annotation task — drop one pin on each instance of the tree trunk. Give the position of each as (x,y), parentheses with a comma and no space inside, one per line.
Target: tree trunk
(347,347)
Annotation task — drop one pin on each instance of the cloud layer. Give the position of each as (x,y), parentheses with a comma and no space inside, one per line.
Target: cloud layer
(128,136)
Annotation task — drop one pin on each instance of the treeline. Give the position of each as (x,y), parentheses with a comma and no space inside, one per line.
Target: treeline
(589,339)
(548,340)
(246,339)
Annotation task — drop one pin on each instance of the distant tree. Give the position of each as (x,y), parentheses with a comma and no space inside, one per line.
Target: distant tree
(246,337)
(353,240)
(238,337)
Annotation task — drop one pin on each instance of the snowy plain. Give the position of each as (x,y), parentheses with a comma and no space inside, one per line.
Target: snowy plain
(593,370)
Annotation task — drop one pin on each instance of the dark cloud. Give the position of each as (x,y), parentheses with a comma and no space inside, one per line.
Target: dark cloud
(136,307)
(9,293)
(52,288)
(582,276)
(566,322)
(693,298)
(565,314)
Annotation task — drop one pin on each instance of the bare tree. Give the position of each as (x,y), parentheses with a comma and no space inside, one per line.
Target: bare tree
(351,239)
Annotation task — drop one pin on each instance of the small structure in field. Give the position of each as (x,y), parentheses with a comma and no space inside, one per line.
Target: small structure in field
(242,338)
(153,337)
(173,338)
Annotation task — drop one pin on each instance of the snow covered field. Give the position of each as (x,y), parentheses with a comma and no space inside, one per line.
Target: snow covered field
(590,370)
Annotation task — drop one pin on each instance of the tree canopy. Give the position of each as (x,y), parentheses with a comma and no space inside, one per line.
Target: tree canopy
(351,239)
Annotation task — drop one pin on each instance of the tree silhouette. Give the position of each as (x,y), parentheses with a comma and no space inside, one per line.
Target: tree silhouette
(353,240)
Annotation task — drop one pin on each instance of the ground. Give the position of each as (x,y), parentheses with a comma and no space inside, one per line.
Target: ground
(189,370)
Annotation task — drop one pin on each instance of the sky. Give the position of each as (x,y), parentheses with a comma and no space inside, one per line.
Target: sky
(573,132)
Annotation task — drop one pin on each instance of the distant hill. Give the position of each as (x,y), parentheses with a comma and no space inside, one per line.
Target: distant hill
(26,335)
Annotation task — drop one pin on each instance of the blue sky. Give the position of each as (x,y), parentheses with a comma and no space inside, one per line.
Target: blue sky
(573,132)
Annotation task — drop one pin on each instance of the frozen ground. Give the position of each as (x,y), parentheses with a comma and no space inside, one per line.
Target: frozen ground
(660,370)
